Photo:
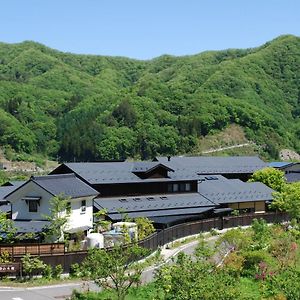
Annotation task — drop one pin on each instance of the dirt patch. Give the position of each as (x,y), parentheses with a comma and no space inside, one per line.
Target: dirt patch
(232,135)
(287,154)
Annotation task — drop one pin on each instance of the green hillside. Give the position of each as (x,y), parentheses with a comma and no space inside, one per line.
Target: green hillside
(88,107)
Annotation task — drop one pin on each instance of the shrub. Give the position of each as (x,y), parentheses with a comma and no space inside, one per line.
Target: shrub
(5,257)
(75,270)
(234,264)
(47,272)
(57,271)
(253,258)
(32,265)
(238,238)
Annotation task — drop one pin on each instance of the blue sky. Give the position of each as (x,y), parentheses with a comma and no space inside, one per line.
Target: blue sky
(147,29)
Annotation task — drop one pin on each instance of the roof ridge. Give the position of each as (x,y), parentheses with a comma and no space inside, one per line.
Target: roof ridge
(46,177)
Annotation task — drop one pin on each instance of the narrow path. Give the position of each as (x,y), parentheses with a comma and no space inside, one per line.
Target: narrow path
(226,148)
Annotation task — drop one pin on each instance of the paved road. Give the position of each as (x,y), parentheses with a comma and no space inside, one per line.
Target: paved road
(65,290)
(43,293)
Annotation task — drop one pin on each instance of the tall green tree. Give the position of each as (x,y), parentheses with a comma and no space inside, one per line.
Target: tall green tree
(113,269)
(8,229)
(58,218)
(288,200)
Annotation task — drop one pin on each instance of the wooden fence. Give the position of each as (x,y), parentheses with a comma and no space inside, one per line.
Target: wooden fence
(15,250)
(57,255)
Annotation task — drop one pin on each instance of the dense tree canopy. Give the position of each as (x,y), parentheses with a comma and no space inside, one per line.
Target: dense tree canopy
(273,178)
(87,107)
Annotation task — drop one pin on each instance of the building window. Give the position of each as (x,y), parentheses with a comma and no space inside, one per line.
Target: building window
(33,205)
(187,187)
(68,208)
(175,187)
(182,187)
(83,206)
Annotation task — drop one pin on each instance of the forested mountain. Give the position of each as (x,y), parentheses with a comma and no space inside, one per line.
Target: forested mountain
(95,107)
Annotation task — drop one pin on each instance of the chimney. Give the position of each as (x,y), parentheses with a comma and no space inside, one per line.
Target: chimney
(169,157)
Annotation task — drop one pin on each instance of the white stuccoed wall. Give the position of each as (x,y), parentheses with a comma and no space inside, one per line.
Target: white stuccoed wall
(77,217)
(20,209)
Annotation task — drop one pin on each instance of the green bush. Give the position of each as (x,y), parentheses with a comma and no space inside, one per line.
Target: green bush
(32,265)
(75,270)
(47,272)
(252,258)
(57,271)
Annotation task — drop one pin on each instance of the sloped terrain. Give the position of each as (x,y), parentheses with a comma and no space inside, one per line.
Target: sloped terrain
(87,107)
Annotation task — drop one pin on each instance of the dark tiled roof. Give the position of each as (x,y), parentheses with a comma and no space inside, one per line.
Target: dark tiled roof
(185,212)
(146,166)
(123,172)
(105,172)
(5,190)
(30,226)
(66,184)
(15,183)
(172,219)
(154,205)
(152,202)
(214,164)
(234,190)
(5,208)
(292,177)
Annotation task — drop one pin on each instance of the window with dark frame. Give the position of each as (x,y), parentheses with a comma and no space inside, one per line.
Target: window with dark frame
(175,187)
(188,187)
(33,205)
(68,208)
(83,206)
(179,187)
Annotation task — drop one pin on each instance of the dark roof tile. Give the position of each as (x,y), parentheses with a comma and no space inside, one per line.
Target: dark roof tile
(66,184)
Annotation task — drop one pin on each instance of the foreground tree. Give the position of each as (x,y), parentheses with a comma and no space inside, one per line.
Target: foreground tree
(288,200)
(57,218)
(271,177)
(7,229)
(114,269)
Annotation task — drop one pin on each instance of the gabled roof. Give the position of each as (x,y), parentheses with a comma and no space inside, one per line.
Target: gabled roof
(214,164)
(234,190)
(66,184)
(148,166)
(124,172)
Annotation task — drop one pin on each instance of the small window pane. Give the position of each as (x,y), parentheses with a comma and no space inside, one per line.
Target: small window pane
(33,206)
(175,187)
(83,206)
(187,187)
(182,187)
